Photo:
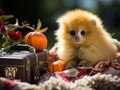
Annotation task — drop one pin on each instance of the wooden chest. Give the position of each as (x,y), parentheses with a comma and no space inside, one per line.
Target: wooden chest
(21,65)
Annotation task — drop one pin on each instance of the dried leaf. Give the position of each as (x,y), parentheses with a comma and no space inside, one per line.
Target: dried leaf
(11,27)
(5,17)
(17,23)
(29,27)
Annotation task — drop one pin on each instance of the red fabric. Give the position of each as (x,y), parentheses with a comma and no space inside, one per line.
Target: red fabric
(79,72)
(73,74)
(8,84)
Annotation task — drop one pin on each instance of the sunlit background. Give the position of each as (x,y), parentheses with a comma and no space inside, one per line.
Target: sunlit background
(49,10)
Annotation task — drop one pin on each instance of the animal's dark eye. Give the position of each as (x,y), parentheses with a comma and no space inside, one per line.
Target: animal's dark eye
(83,32)
(72,33)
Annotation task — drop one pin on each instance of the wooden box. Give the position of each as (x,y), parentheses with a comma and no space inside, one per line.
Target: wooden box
(21,65)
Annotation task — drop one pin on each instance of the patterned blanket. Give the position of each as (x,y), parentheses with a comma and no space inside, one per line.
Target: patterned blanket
(104,67)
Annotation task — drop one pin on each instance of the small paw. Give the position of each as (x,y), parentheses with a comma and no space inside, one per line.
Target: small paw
(71,65)
(84,64)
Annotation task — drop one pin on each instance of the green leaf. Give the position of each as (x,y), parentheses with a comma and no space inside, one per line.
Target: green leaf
(3,41)
(39,24)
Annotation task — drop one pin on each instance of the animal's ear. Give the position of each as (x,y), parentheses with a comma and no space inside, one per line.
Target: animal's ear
(93,22)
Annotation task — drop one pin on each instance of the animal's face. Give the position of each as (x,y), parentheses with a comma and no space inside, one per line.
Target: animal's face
(77,30)
(78,36)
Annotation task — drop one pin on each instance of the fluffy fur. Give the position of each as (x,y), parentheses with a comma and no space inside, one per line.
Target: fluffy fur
(82,39)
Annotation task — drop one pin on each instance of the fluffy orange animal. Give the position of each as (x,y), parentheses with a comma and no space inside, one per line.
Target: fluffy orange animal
(82,40)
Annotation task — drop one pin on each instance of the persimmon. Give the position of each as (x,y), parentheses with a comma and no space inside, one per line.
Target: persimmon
(36,39)
(58,65)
